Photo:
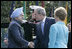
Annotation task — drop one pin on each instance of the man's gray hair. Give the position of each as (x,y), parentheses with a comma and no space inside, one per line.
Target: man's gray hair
(41,11)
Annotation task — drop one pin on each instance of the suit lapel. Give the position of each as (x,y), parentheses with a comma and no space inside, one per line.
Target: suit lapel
(46,28)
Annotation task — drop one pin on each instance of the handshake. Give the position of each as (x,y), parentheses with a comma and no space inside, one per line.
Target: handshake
(31,44)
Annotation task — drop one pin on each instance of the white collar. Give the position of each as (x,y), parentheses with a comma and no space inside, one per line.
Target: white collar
(44,19)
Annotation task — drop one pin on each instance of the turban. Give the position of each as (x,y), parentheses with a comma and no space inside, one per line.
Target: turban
(17,12)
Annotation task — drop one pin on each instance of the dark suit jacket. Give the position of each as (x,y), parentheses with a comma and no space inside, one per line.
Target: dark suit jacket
(15,36)
(69,40)
(43,39)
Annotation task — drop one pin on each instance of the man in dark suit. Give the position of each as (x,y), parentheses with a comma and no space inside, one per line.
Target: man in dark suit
(15,34)
(42,31)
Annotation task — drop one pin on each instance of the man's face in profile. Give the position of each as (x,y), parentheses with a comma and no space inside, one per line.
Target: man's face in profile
(20,18)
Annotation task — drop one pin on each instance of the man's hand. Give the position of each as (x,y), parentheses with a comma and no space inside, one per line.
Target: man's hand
(31,44)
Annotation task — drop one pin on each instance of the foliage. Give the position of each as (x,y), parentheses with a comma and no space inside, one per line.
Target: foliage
(50,6)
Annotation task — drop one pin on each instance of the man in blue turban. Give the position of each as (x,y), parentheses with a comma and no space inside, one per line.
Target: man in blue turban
(15,34)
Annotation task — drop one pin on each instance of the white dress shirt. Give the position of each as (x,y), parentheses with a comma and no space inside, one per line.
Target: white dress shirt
(42,24)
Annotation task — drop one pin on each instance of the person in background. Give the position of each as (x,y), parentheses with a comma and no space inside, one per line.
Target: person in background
(33,8)
(58,36)
(6,40)
(69,37)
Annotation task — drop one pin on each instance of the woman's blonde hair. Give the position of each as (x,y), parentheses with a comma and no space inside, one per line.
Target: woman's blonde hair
(61,13)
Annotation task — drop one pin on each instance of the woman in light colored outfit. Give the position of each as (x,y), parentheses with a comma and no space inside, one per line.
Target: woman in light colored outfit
(58,36)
